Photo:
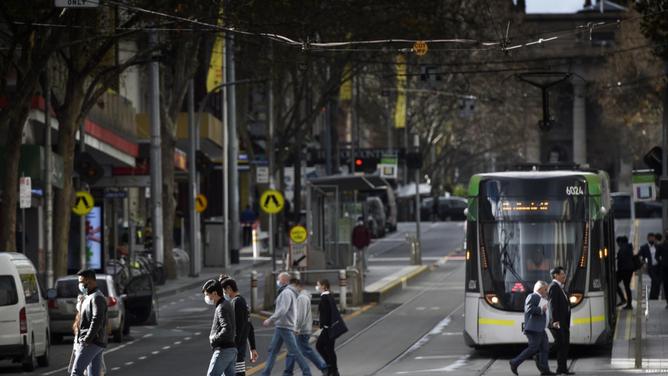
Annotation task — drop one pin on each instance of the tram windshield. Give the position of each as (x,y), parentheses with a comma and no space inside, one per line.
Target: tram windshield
(519,253)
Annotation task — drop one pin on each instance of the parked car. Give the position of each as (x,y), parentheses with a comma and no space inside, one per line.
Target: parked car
(452,208)
(63,300)
(24,320)
(375,216)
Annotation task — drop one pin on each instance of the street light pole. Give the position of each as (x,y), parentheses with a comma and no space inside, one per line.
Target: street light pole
(194,228)
(416,143)
(48,195)
(156,157)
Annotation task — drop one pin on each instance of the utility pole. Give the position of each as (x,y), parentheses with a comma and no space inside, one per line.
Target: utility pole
(664,148)
(156,157)
(48,175)
(416,143)
(82,219)
(270,155)
(193,180)
(233,145)
(226,163)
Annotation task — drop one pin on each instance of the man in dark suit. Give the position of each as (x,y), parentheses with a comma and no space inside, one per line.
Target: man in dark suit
(535,323)
(560,310)
(649,254)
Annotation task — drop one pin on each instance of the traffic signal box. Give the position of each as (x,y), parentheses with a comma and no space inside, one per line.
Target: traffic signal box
(366,165)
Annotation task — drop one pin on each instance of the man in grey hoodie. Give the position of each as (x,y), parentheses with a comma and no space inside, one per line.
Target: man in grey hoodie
(284,318)
(304,328)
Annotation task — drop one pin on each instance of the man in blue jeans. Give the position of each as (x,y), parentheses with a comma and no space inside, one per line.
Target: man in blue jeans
(304,325)
(91,333)
(284,319)
(223,360)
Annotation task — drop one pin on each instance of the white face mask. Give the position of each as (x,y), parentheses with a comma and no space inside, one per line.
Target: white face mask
(227,297)
(278,284)
(208,300)
(82,288)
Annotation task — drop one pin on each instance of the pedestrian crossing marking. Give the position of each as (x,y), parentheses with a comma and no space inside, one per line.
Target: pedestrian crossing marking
(272,201)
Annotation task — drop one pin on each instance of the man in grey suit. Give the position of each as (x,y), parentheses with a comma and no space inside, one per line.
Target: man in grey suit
(535,323)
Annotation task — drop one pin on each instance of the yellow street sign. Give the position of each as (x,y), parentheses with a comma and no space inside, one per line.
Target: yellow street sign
(201,203)
(420,48)
(83,203)
(298,234)
(272,201)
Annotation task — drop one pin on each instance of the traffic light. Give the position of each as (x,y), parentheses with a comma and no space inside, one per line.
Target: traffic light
(366,165)
(88,169)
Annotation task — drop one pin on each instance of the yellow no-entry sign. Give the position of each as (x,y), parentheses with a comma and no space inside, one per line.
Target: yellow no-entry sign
(83,203)
(272,201)
(201,203)
(298,234)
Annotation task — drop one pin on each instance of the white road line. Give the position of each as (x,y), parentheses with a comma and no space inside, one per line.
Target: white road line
(166,347)
(142,357)
(187,339)
(177,342)
(148,335)
(155,352)
(129,363)
(116,368)
(429,357)
(420,308)
(198,333)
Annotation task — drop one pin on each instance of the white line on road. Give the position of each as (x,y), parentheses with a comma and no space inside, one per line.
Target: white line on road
(187,338)
(155,352)
(166,347)
(142,357)
(452,367)
(198,333)
(129,363)
(430,357)
(116,368)
(177,342)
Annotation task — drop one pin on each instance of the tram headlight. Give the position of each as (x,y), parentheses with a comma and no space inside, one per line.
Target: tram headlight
(575,298)
(493,300)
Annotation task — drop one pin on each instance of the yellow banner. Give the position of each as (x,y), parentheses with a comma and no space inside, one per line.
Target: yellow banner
(400,108)
(346,90)
(214,77)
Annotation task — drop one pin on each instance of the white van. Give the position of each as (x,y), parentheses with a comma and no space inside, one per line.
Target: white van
(24,321)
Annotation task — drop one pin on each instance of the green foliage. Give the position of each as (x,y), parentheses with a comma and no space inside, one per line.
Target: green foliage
(655,24)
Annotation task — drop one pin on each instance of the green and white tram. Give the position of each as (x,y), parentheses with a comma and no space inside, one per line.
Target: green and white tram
(521,225)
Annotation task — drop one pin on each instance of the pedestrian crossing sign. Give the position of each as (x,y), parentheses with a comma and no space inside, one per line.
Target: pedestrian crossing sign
(201,203)
(272,201)
(83,203)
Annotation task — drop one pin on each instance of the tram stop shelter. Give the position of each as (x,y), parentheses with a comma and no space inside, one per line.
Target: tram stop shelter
(333,205)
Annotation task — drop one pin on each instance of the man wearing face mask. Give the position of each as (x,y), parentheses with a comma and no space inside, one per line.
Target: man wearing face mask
(91,332)
(284,318)
(221,339)
(242,324)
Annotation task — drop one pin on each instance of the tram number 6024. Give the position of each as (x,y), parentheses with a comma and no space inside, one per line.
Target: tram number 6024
(574,190)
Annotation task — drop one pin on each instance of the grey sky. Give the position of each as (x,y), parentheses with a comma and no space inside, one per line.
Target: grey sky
(554,6)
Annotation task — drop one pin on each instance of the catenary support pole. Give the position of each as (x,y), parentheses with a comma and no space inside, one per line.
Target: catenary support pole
(194,230)
(233,146)
(48,194)
(156,158)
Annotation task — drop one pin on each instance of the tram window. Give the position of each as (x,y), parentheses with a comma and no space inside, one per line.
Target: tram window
(596,257)
(472,282)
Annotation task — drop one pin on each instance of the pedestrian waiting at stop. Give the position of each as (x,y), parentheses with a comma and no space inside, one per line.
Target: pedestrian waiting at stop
(624,271)
(648,252)
(304,327)
(361,238)
(242,324)
(221,338)
(536,321)
(332,325)
(284,318)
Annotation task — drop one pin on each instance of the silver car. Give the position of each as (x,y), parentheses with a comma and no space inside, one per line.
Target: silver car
(62,307)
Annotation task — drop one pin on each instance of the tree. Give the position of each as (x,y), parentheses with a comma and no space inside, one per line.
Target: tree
(86,71)
(25,54)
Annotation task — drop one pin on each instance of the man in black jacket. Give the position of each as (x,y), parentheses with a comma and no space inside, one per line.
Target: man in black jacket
(649,252)
(223,331)
(92,333)
(625,270)
(242,324)
(560,309)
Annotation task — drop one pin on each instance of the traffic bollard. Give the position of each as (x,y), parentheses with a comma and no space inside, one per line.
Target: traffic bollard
(343,284)
(253,297)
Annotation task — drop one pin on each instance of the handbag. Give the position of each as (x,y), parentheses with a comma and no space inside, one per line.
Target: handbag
(338,327)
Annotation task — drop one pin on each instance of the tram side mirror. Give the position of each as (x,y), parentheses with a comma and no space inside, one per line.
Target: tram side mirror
(466,212)
(604,210)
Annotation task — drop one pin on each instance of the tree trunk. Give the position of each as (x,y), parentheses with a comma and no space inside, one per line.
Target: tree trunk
(68,119)
(168,208)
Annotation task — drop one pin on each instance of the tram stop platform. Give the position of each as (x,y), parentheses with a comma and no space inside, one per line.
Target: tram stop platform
(654,337)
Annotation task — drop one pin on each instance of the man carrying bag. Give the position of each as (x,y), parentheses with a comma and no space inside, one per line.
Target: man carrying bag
(332,325)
